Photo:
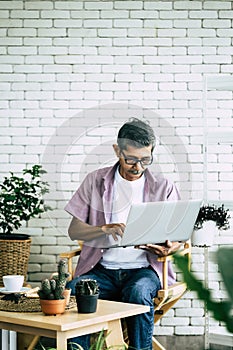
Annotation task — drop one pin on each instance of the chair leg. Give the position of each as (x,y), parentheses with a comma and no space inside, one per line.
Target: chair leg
(33,342)
(156,345)
(26,341)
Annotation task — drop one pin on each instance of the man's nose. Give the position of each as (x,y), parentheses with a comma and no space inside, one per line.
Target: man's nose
(138,166)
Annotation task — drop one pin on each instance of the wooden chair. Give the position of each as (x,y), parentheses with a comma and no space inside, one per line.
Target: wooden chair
(166,297)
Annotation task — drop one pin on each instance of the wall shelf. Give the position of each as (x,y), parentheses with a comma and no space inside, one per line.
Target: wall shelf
(219,82)
(220,135)
(216,135)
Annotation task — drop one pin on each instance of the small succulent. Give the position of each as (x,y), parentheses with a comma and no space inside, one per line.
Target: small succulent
(217,214)
(53,288)
(87,287)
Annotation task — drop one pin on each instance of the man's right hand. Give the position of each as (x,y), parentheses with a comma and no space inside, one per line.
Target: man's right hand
(85,232)
(114,230)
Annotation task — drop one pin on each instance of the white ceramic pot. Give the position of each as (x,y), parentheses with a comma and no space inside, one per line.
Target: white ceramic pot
(204,237)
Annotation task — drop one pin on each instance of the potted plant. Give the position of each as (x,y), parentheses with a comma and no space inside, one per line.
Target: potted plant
(21,198)
(86,294)
(210,219)
(98,343)
(51,293)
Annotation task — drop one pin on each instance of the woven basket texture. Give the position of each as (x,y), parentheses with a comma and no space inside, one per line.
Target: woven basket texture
(25,304)
(14,256)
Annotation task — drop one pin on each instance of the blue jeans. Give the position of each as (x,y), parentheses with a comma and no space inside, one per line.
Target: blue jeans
(137,286)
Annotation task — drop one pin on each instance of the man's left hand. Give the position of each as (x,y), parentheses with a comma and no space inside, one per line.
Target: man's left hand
(161,250)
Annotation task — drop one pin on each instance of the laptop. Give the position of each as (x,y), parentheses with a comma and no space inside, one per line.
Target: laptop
(156,222)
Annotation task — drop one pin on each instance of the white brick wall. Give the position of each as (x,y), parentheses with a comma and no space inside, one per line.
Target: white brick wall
(72,74)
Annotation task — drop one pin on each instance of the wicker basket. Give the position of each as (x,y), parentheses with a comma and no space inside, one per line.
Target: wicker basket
(28,304)
(14,256)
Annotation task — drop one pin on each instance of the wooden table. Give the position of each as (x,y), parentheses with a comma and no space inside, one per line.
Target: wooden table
(72,323)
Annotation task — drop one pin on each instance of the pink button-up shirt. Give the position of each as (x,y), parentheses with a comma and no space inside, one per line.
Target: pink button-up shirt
(92,204)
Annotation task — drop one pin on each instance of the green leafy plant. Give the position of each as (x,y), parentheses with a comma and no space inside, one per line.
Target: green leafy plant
(87,287)
(76,347)
(21,198)
(98,344)
(221,310)
(53,288)
(211,212)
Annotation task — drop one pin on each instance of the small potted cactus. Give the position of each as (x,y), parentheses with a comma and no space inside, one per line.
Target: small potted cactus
(51,293)
(86,294)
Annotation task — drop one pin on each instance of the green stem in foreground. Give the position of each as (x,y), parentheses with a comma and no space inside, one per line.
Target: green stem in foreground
(221,310)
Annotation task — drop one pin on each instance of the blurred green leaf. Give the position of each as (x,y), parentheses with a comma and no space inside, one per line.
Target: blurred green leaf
(225,263)
(221,310)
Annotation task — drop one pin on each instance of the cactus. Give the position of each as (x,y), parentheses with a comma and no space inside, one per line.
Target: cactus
(86,287)
(53,288)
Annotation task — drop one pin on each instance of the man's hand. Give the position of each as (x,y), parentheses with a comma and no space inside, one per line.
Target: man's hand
(114,230)
(161,250)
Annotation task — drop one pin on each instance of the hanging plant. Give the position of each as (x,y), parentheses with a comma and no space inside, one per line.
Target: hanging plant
(213,213)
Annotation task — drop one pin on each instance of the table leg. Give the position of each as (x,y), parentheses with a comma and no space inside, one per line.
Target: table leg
(114,336)
(4,339)
(61,341)
(8,340)
(13,340)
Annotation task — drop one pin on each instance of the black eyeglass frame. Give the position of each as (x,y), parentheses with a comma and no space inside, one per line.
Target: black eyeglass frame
(134,161)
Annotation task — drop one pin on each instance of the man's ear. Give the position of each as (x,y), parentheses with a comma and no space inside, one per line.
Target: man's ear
(116,150)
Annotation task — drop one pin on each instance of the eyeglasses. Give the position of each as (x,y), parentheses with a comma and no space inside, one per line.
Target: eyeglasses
(133,161)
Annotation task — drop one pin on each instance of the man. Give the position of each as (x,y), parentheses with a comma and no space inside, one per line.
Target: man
(100,207)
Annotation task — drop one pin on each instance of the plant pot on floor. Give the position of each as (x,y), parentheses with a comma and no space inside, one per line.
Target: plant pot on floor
(21,198)
(14,253)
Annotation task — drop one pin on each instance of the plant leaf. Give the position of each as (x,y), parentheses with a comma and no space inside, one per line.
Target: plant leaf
(220,310)
(225,262)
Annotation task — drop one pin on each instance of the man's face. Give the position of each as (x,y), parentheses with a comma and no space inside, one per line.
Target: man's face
(130,167)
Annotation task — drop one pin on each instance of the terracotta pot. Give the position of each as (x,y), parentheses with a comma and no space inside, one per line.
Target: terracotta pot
(53,307)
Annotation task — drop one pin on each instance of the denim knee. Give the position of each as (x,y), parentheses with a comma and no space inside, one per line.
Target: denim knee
(71,284)
(139,295)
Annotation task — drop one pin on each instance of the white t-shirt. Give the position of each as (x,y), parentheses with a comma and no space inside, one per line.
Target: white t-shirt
(124,194)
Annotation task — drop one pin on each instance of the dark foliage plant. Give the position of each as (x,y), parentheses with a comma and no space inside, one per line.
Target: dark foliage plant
(219,215)
(21,198)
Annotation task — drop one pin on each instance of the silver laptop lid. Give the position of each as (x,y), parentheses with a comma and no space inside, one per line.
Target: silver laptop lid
(156,222)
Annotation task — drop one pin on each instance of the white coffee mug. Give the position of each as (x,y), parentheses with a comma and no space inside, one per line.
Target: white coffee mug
(13,283)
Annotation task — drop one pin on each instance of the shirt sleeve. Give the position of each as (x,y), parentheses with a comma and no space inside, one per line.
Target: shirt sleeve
(172,192)
(79,205)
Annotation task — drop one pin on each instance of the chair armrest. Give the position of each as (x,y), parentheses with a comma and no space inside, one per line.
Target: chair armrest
(69,255)
(165,259)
